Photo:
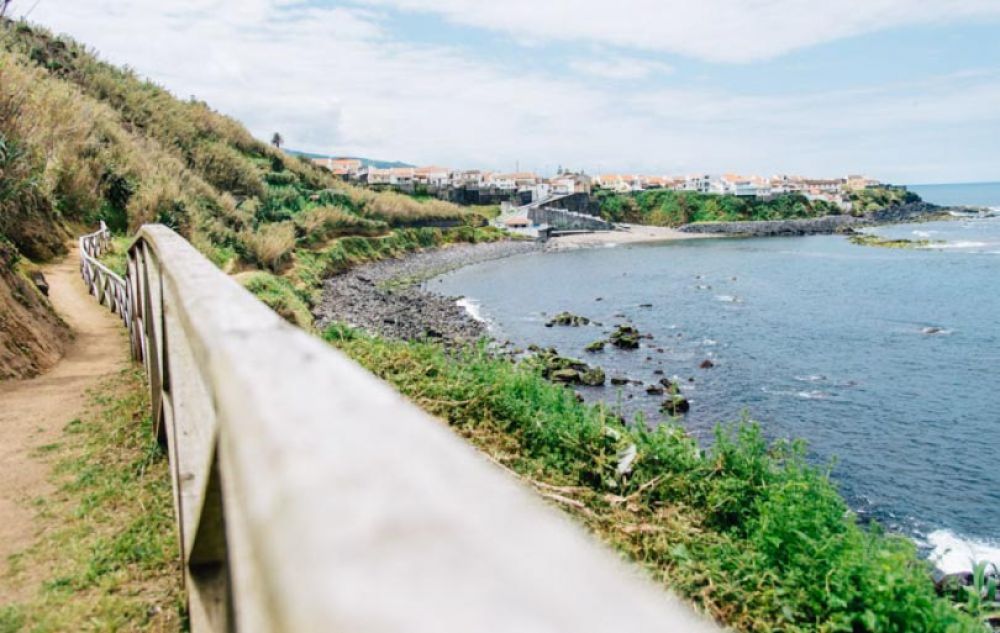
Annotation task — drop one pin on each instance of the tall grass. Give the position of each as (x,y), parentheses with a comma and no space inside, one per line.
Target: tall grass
(270,246)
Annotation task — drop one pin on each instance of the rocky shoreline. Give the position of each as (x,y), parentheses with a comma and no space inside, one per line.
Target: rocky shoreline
(384,297)
(910,212)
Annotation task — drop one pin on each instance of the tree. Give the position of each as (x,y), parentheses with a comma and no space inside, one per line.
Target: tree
(3,7)
(276,140)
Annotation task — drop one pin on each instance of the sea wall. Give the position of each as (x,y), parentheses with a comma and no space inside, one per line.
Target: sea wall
(563,219)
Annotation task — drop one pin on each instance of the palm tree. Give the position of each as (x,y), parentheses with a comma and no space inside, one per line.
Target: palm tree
(276,140)
(3,6)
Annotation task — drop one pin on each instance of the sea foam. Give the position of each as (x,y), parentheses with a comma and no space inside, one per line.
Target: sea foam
(471,308)
(952,554)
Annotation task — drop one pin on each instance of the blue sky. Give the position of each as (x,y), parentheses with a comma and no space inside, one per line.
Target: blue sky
(904,90)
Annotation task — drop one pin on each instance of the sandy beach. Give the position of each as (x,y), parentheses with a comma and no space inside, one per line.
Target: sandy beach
(633,235)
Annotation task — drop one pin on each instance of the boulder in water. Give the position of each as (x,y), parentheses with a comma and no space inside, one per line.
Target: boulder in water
(625,337)
(675,404)
(567,318)
(596,346)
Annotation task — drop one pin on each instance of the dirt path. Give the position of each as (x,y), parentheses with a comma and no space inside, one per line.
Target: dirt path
(34,412)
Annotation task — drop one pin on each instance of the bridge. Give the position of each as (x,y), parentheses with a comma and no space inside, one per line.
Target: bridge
(312,497)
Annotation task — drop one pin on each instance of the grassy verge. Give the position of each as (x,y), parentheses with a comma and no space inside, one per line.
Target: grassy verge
(746,529)
(107,557)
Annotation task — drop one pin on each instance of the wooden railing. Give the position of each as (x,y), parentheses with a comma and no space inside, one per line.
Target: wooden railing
(311,496)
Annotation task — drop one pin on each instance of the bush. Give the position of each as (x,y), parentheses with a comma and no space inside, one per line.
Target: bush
(664,207)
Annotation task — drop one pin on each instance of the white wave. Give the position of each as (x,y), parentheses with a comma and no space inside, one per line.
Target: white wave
(709,342)
(811,378)
(960,244)
(805,395)
(924,233)
(812,395)
(952,554)
(728,299)
(704,287)
(472,308)
(933,330)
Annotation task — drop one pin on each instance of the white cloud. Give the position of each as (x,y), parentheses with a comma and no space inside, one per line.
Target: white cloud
(620,68)
(333,79)
(713,30)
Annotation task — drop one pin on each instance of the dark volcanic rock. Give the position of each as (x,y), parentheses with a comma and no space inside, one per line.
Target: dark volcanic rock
(569,370)
(706,364)
(363,297)
(625,337)
(675,404)
(567,318)
(825,224)
(596,346)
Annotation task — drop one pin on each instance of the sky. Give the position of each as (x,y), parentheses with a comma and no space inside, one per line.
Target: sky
(907,91)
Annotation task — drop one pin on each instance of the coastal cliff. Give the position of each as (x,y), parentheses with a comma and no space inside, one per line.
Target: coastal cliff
(907,212)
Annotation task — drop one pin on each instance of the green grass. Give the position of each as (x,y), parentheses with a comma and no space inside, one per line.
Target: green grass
(280,296)
(748,530)
(107,557)
(116,257)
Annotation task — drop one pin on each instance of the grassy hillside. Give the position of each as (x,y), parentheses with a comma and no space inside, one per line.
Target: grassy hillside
(82,140)
(661,207)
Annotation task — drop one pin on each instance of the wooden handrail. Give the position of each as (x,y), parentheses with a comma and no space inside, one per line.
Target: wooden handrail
(312,497)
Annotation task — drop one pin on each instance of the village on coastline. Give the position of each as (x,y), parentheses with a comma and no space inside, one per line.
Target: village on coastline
(481,187)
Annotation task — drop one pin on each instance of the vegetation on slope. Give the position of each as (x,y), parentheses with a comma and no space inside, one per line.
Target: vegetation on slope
(664,207)
(107,556)
(82,141)
(750,531)
(865,201)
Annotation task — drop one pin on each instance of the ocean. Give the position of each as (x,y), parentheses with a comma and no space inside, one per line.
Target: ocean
(975,194)
(885,361)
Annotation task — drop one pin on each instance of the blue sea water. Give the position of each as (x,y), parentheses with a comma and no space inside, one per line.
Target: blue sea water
(976,194)
(885,361)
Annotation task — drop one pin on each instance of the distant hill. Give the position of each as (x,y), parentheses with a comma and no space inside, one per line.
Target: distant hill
(368,162)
